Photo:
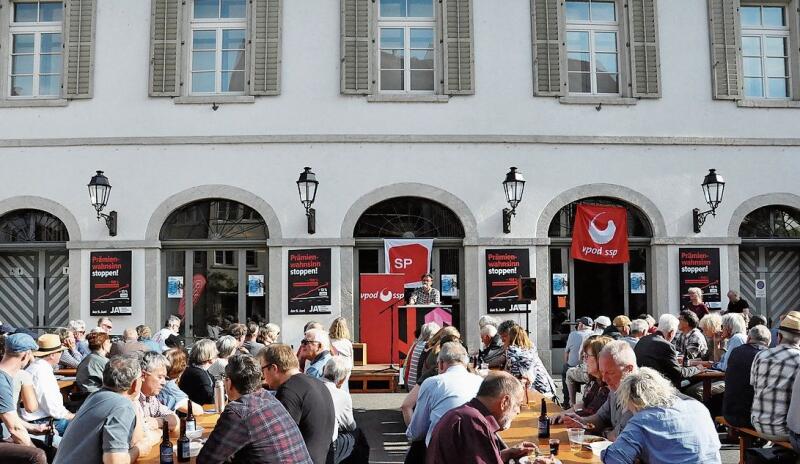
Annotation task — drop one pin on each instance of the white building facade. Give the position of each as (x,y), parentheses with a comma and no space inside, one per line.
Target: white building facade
(204,113)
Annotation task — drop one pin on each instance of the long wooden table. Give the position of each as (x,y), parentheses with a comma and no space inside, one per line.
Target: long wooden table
(525,428)
(208,421)
(708,377)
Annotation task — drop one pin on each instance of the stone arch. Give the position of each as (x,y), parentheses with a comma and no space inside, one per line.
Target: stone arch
(416,190)
(49,206)
(203,192)
(752,204)
(650,210)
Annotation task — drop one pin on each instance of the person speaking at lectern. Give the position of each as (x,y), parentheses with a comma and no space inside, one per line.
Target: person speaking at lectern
(425,295)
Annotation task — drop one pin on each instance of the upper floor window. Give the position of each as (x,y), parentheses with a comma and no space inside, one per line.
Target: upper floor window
(219,30)
(592,33)
(765,51)
(36,49)
(406,34)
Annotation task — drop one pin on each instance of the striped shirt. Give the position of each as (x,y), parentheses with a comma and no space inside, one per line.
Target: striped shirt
(70,358)
(525,363)
(692,345)
(413,363)
(772,376)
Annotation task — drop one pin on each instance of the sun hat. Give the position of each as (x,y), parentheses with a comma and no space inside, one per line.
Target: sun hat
(19,342)
(48,343)
(622,321)
(791,322)
(586,320)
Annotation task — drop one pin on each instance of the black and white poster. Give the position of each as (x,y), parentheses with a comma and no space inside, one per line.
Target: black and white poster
(699,267)
(310,281)
(504,267)
(110,283)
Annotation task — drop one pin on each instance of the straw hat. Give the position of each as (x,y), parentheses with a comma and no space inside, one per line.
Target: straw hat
(791,322)
(48,343)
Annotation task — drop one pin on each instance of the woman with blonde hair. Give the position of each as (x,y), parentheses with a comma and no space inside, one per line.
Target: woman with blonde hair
(523,362)
(171,395)
(596,390)
(711,326)
(341,345)
(696,304)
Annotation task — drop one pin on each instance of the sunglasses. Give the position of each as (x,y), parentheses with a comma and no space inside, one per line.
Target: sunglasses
(307,342)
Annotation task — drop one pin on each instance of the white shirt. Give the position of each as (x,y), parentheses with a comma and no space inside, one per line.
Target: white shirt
(51,403)
(343,407)
(438,395)
(162,336)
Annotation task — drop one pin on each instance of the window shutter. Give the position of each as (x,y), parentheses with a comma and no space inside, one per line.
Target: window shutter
(356,47)
(79,48)
(265,69)
(643,36)
(548,35)
(165,48)
(458,50)
(723,16)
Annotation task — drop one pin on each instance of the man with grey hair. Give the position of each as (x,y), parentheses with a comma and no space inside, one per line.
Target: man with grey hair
(470,430)
(439,394)
(106,427)
(315,347)
(172,327)
(656,351)
(104,323)
(772,377)
(250,343)
(738,399)
(617,360)
(128,344)
(493,353)
(487,320)
(78,327)
(347,439)
(154,377)
(665,427)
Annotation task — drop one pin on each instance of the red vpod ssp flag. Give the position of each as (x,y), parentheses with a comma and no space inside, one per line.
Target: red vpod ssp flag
(600,234)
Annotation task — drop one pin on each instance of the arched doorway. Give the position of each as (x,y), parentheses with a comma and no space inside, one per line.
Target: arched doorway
(34,269)
(596,289)
(214,264)
(770,251)
(412,217)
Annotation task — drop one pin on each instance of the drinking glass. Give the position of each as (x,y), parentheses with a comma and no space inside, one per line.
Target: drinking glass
(575,439)
(554,442)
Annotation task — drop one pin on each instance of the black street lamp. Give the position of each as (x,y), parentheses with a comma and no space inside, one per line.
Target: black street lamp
(99,190)
(514,186)
(713,189)
(307,188)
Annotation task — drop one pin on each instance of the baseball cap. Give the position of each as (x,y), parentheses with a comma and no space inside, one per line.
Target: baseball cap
(587,321)
(603,320)
(19,342)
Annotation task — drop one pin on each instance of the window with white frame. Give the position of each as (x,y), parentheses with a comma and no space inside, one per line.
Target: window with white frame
(765,51)
(35,58)
(592,33)
(406,32)
(217,58)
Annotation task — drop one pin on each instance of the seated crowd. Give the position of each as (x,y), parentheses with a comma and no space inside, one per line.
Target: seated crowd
(641,386)
(637,382)
(283,406)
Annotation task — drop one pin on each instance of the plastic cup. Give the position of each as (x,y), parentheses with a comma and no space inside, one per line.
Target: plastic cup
(575,439)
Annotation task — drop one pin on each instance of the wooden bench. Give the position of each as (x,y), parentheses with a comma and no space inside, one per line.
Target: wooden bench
(373,378)
(746,437)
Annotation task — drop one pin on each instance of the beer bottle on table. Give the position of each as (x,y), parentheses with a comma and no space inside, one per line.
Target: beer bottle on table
(166,454)
(191,423)
(544,422)
(184,444)
(51,432)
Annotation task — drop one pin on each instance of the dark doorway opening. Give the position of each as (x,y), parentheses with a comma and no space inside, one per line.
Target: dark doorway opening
(599,289)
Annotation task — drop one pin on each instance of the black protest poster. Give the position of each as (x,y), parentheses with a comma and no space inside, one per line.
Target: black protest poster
(309,281)
(504,267)
(699,267)
(110,283)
